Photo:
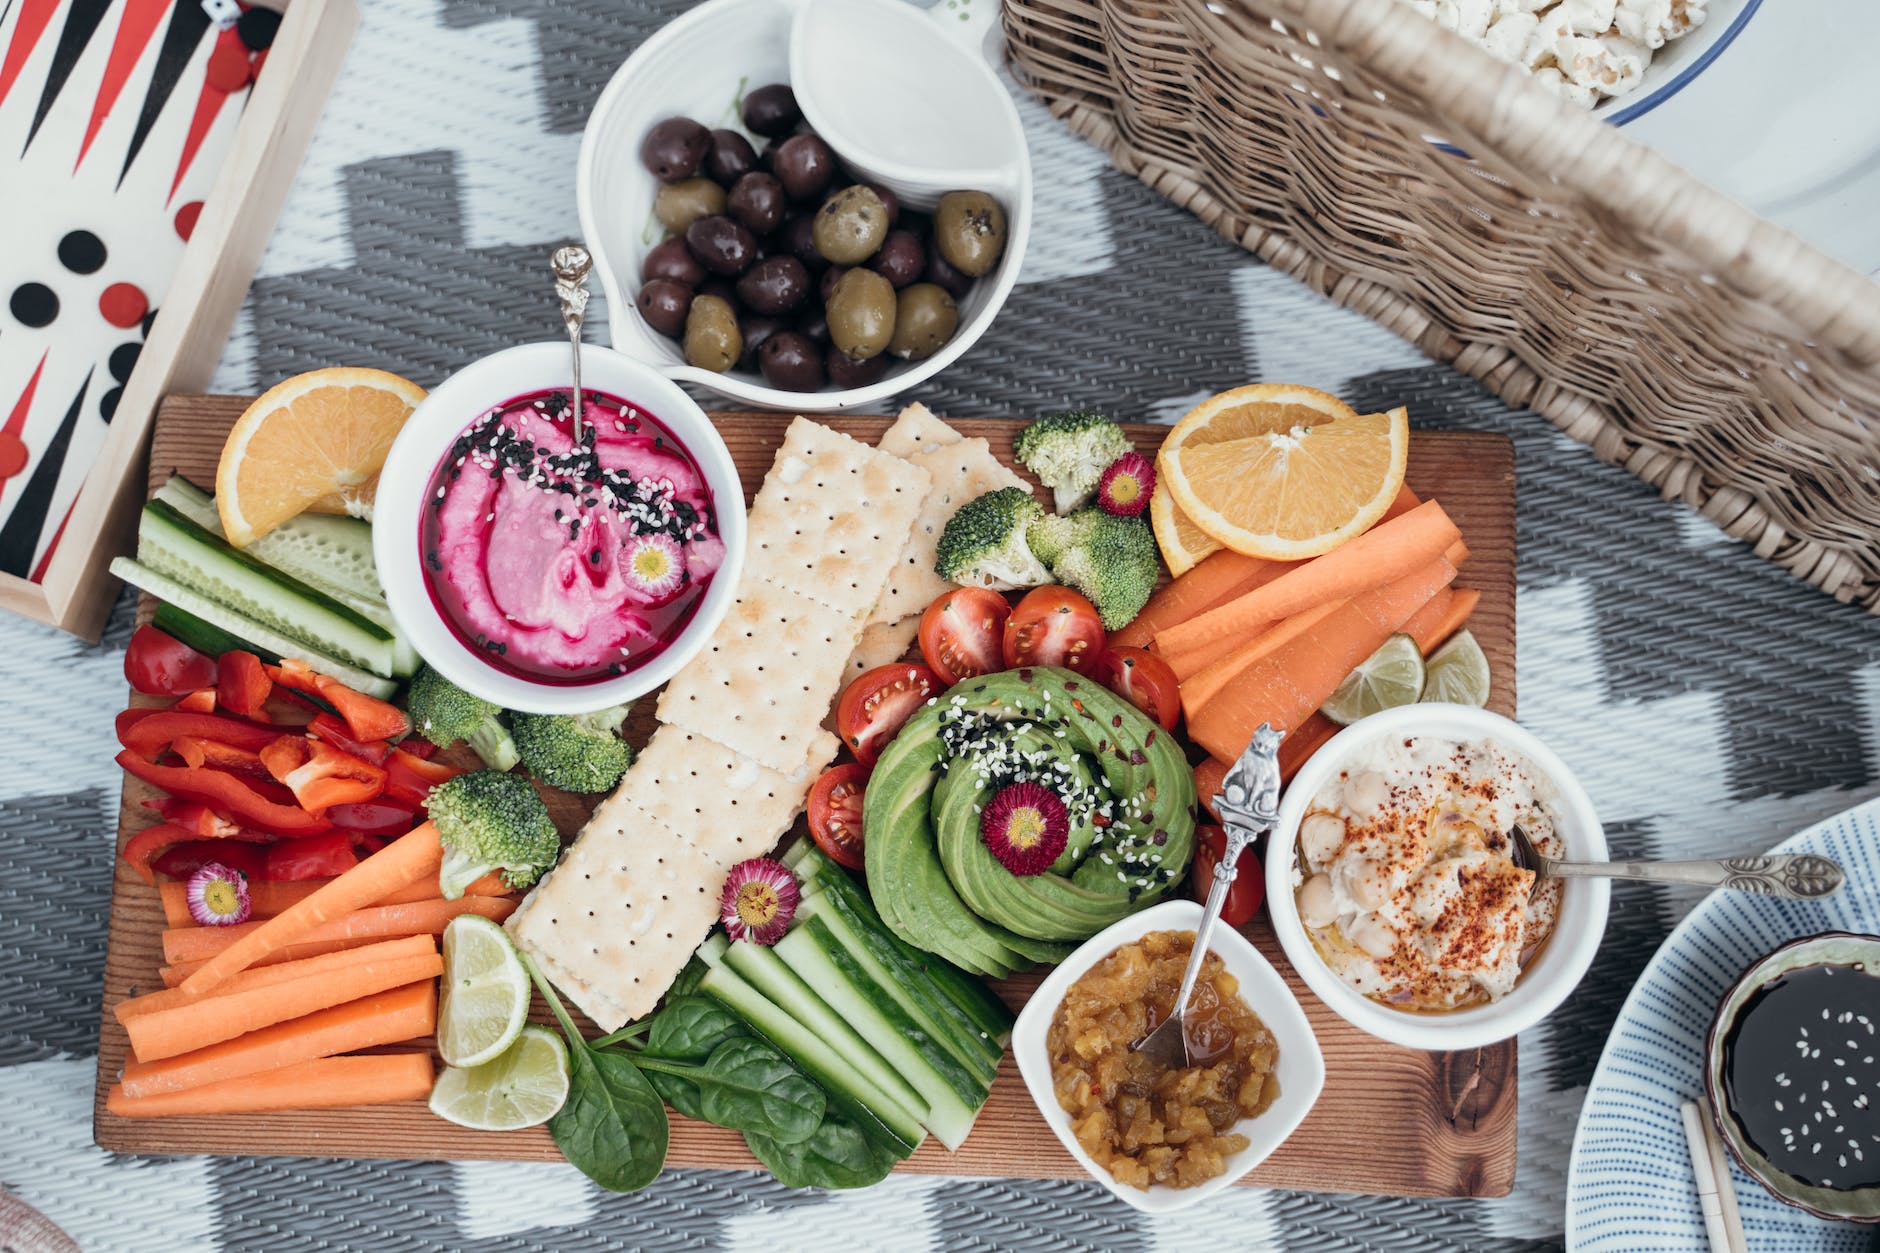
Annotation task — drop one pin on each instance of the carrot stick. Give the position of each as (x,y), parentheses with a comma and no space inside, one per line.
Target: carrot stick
(1217,579)
(268,976)
(407,860)
(193,944)
(268,897)
(1429,631)
(1308,739)
(1286,686)
(167,1031)
(406,1013)
(1201,687)
(326,1083)
(1209,776)
(1386,552)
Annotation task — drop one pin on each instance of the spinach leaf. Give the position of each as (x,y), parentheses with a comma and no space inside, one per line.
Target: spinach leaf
(687,982)
(689,1028)
(612,1126)
(838,1155)
(746,1084)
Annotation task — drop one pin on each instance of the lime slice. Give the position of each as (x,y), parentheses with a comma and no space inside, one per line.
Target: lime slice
(523,1086)
(485,997)
(1389,677)
(1458,672)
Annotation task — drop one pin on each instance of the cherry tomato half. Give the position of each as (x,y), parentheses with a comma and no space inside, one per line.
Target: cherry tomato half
(1248,891)
(875,705)
(1054,626)
(835,812)
(159,664)
(1145,681)
(959,633)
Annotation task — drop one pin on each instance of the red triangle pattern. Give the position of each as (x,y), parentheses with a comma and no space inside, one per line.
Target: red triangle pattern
(16,421)
(35,16)
(208,105)
(134,31)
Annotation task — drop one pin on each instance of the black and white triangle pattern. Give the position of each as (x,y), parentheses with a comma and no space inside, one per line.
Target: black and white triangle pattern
(1712,704)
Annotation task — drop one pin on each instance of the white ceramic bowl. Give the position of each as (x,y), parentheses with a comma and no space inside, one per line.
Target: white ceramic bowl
(1547,980)
(694,66)
(406,479)
(1679,62)
(1301,1068)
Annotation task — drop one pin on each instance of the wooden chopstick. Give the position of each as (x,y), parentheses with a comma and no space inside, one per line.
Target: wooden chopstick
(1716,1195)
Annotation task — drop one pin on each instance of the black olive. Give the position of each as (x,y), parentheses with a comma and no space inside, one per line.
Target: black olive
(804,165)
(771,110)
(729,157)
(671,259)
(663,302)
(774,285)
(757,200)
(674,149)
(721,245)
(790,360)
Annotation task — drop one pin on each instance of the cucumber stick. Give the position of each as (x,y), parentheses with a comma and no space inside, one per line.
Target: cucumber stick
(172,545)
(871,1107)
(952,1095)
(928,975)
(259,636)
(202,636)
(332,554)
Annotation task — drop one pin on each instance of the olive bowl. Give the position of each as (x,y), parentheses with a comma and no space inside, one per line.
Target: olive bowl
(1300,1070)
(696,66)
(1829,948)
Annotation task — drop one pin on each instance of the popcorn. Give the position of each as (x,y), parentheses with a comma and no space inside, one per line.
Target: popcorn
(1583,51)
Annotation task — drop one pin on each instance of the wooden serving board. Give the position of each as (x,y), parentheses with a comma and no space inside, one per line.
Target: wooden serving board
(1392,1121)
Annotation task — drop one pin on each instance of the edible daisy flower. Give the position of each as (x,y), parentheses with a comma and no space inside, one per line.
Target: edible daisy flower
(217,896)
(654,568)
(1026,826)
(1125,487)
(759,901)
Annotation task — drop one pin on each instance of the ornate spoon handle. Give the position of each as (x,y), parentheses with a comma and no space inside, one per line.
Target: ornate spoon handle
(1801,876)
(571,265)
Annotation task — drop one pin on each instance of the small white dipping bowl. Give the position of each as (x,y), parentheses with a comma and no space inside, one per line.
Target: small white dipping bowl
(695,66)
(405,482)
(1547,980)
(1301,1067)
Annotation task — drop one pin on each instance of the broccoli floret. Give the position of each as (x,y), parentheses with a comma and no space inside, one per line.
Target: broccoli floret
(1111,560)
(1054,534)
(1069,452)
(491,821)
(984,542)
(577,753)
(444,713)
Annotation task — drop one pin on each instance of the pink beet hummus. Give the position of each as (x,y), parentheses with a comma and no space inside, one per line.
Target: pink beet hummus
(564,562)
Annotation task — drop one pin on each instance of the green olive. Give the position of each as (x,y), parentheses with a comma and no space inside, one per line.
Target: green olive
(969,230)
(851,225)
(924,318)
(678,205)
(861,314)
(712,341)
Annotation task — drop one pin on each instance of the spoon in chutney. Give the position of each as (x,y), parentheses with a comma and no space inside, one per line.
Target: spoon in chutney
(1248,806)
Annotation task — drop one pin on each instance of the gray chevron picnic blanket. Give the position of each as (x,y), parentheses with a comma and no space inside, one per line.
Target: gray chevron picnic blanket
(1711,703)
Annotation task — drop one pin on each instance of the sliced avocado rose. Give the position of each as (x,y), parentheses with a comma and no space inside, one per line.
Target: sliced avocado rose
(1126,794)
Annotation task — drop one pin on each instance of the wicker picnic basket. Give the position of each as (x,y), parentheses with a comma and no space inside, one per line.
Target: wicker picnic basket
(1400,170)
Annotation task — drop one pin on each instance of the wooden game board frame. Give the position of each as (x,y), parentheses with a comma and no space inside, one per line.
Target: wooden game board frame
(187,339)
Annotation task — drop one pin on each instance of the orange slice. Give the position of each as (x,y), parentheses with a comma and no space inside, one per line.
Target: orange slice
(315,441)
(1183,543)
(1283,472)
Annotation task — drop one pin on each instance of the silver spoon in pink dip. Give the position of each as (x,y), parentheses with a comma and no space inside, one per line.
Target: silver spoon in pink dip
(571,265)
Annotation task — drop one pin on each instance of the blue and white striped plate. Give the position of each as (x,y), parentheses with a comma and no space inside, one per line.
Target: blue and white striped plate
(1629,1186)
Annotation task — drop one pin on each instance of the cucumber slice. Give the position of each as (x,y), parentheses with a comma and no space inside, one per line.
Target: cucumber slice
(202,636)
(328,553)
(952,1095)
(979,1006)
(256,637)
(766,972)
(172,545)
(861,1100)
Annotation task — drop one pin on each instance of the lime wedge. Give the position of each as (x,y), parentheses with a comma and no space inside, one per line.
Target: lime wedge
(1458,672)
(485,992)
(523,1086)
(1389,677)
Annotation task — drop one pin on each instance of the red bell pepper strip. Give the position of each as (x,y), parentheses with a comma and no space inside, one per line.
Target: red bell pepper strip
(194,817)
(311,857)
(242,683)
(195,752)
(147,845)
(418,747)
(319,774)
(200,701)
(379,817)
(131,717)
(159,664)
(368,717)
(339,735)
(226,793)
(180,861)
(148,737)
(409,778)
